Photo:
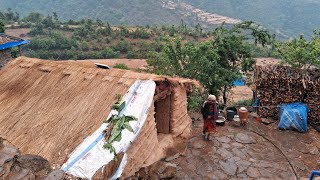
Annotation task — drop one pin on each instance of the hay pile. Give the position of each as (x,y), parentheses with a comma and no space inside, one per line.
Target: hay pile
(276,85)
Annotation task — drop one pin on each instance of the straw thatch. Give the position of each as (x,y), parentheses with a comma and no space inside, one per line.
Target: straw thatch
(48,108)
(130,63)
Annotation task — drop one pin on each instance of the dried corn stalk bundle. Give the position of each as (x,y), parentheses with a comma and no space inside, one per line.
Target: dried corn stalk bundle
(276,85)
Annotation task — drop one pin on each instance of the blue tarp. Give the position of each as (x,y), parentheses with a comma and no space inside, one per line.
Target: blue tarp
(13,44)
(239,82)
(293,116)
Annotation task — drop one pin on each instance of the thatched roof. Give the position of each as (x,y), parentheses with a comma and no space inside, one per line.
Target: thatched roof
(48,107)
(130,63)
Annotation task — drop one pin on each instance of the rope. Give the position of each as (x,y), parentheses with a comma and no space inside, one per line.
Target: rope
(293,169)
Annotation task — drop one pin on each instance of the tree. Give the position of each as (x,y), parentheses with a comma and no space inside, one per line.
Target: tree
(34,17)
(99,22)
(109,29)
(299,52)
(2,27)
(55,17)
(9,15)
(234,51)
(196,61)
(37,30)
(215,64)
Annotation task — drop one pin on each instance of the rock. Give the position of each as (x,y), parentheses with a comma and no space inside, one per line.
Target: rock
(289,175)
(158,170)
(216,143)
(213,149)
(170,171)
(242,165)
(225,154)
(216,175)
(195,152)
(243,175)
(314,151)
(223,139)
(235,159)
(244,139)
(12,170)
(230,136)
(198,144)
(7,152)
(203,168)
(302,148)
(304,178)
(55,175)
(238,145)
(299,164)
(229,167)
(172,157)
(267,173)
(33,162)
(253,172)
(238,153)
(194,139)
(262,164)
(225,145)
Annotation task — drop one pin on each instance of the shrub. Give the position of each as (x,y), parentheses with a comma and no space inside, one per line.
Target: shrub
(121,66)
(195,100)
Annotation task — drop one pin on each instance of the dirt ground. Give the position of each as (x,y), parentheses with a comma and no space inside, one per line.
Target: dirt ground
(18,32)
(256,151)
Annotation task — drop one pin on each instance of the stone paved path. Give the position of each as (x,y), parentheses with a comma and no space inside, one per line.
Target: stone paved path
(232,153)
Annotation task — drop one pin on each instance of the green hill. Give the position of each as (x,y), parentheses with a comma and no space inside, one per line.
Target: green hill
(119,12)
(286,17)
(292,17)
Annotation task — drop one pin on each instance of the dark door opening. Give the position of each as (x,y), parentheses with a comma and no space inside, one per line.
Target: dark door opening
(162,107)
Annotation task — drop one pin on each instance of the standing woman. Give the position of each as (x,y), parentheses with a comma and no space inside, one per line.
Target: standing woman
(210,115)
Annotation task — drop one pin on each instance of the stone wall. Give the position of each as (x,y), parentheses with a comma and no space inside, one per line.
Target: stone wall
(5,57)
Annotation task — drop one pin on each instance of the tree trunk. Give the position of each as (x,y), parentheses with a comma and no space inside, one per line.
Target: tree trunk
(225,94)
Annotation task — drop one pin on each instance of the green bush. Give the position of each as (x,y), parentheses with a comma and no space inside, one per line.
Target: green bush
(245,102)
(195,100)
(121,66)
(122,46)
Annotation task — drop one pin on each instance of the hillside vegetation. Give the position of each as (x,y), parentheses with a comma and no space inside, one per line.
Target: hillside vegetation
(120,12)
(291,17)
(287,18)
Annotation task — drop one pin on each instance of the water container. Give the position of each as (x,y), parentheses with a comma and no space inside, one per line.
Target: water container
(243,114)
(231,111)
(230,114)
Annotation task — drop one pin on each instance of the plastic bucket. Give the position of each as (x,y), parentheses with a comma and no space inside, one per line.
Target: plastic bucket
(230,115)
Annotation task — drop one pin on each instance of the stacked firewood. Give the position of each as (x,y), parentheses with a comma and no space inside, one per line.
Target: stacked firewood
(276,85)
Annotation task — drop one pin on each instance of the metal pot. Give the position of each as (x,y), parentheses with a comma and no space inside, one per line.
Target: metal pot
(220,121)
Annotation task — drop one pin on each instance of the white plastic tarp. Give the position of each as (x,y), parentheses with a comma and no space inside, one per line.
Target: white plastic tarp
(90,155)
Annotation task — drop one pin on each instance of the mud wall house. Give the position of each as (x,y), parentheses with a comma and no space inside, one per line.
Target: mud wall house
(6,43)
(48,108)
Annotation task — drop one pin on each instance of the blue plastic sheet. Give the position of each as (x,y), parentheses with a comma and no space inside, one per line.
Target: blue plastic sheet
(239,82)
(294,116)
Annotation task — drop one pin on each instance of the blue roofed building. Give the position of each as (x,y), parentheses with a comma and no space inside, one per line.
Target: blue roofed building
(6,44)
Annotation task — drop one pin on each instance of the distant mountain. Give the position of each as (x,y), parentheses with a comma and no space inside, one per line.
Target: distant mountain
(291,17)
(283,17)
(117,12)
